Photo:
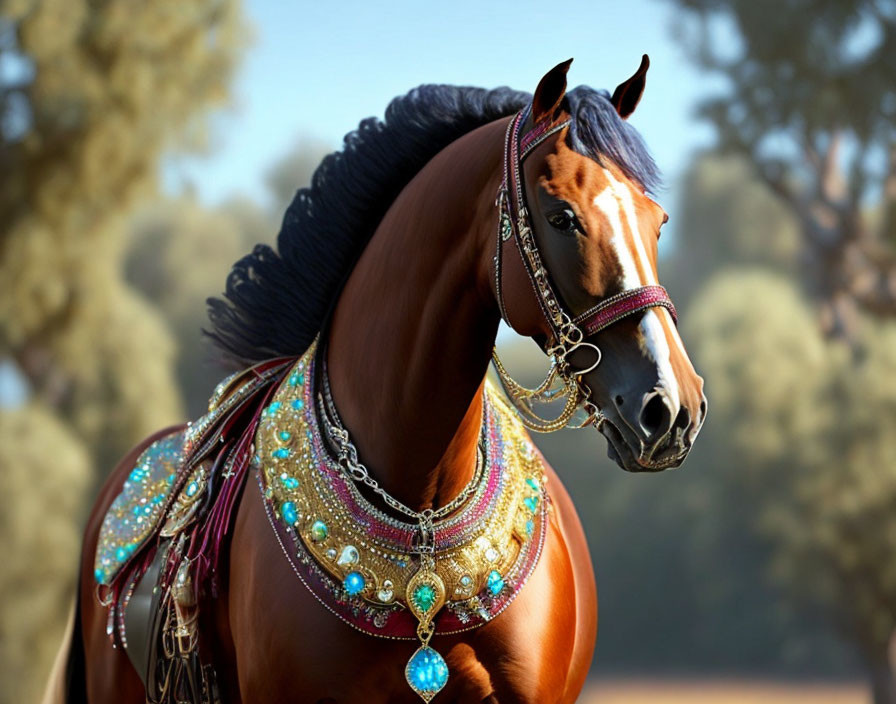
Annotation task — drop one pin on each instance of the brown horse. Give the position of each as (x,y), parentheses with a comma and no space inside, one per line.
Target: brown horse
(409,320)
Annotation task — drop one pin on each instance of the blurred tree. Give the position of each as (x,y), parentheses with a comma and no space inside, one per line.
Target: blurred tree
(45,473)
(811,428)
(90,95)
(95,92)
(811,103)
(293,171)
(682,575)
(726,215)
(180,253)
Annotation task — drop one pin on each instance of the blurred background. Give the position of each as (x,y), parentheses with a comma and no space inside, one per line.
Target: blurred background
(145,146)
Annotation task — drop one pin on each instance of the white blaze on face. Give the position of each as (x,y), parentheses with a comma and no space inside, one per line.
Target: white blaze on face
(617,205)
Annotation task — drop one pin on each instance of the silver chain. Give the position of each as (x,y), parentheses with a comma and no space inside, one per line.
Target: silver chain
(347,456)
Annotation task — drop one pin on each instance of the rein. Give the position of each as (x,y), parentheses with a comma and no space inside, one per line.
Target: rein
(568,333)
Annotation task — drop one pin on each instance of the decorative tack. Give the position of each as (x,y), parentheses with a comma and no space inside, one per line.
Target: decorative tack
(426,672)
(319,531)
(349,556)
(354,583)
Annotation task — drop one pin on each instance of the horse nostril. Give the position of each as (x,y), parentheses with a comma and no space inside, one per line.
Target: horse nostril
(682,420)
(619,400)
(655,416)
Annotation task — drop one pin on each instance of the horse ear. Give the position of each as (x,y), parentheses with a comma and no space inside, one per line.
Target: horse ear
(626,96)
(550,92)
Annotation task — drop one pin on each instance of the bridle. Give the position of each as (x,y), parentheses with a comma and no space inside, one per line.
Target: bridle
(568,333)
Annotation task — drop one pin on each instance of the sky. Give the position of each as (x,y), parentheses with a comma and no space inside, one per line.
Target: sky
(314,70)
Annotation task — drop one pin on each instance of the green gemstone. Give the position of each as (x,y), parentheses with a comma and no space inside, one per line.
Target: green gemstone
(532,484)
(319,531)
(424,597)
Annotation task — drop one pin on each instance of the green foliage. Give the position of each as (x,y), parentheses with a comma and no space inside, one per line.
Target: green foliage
(46,473)
(726,215)
(808,98)
(90,96)
(810,426)
(180,253)
(810,66)
(109,85)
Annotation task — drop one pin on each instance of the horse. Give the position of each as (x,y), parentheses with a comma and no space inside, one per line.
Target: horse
(374,324)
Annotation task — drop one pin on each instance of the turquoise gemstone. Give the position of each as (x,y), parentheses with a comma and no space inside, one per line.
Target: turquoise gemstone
(530,527)
(289,482)
(319,531)
(272,408)
(121,554)
(99,575)
(495,583)
(192,488)
(289,512)
(298,404)
(426,672)
(531,503)
(284,435)
(532,484)
(281,453)
(354,583)
(296,379)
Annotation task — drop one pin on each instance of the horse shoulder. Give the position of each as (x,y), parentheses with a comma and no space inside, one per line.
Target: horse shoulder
(540,649)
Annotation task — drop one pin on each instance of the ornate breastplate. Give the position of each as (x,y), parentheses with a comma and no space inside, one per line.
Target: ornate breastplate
(370,568)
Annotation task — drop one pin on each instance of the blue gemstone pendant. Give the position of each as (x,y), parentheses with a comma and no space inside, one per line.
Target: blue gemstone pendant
(426,672)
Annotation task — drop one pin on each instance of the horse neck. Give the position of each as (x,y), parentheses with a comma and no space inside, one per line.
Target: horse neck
(414,327)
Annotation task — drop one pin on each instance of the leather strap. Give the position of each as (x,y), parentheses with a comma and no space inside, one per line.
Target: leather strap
(623,304)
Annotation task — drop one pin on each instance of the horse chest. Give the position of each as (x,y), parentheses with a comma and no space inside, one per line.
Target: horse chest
(291,649)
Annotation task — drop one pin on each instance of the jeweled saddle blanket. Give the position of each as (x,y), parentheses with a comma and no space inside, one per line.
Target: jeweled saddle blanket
(137,510)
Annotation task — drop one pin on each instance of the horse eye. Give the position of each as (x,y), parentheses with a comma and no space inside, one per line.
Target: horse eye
(564,220)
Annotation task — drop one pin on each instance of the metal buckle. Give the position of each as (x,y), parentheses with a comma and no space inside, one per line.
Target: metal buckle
(580,345)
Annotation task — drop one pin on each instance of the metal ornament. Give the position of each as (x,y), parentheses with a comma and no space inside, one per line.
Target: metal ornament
(458,565)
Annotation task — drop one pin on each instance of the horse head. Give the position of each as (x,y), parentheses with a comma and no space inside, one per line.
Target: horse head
(594,228)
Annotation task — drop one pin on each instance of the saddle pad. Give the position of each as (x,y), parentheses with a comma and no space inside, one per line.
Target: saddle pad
(136,511)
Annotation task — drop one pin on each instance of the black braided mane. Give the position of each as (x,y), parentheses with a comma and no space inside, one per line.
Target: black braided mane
(275,302)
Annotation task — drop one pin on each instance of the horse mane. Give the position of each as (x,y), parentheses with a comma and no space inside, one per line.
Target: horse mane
(276,301)
(598,132)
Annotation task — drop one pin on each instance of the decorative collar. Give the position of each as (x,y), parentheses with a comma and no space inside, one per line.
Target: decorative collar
(362,564)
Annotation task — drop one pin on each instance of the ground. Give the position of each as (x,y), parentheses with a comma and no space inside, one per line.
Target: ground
(721,692)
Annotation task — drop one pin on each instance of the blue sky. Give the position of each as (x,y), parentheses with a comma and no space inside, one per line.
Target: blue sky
(315,69)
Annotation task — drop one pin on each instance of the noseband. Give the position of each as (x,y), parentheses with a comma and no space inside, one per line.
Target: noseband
(568,333)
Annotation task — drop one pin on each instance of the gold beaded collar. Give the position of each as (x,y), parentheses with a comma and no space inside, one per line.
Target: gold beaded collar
(369,567)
